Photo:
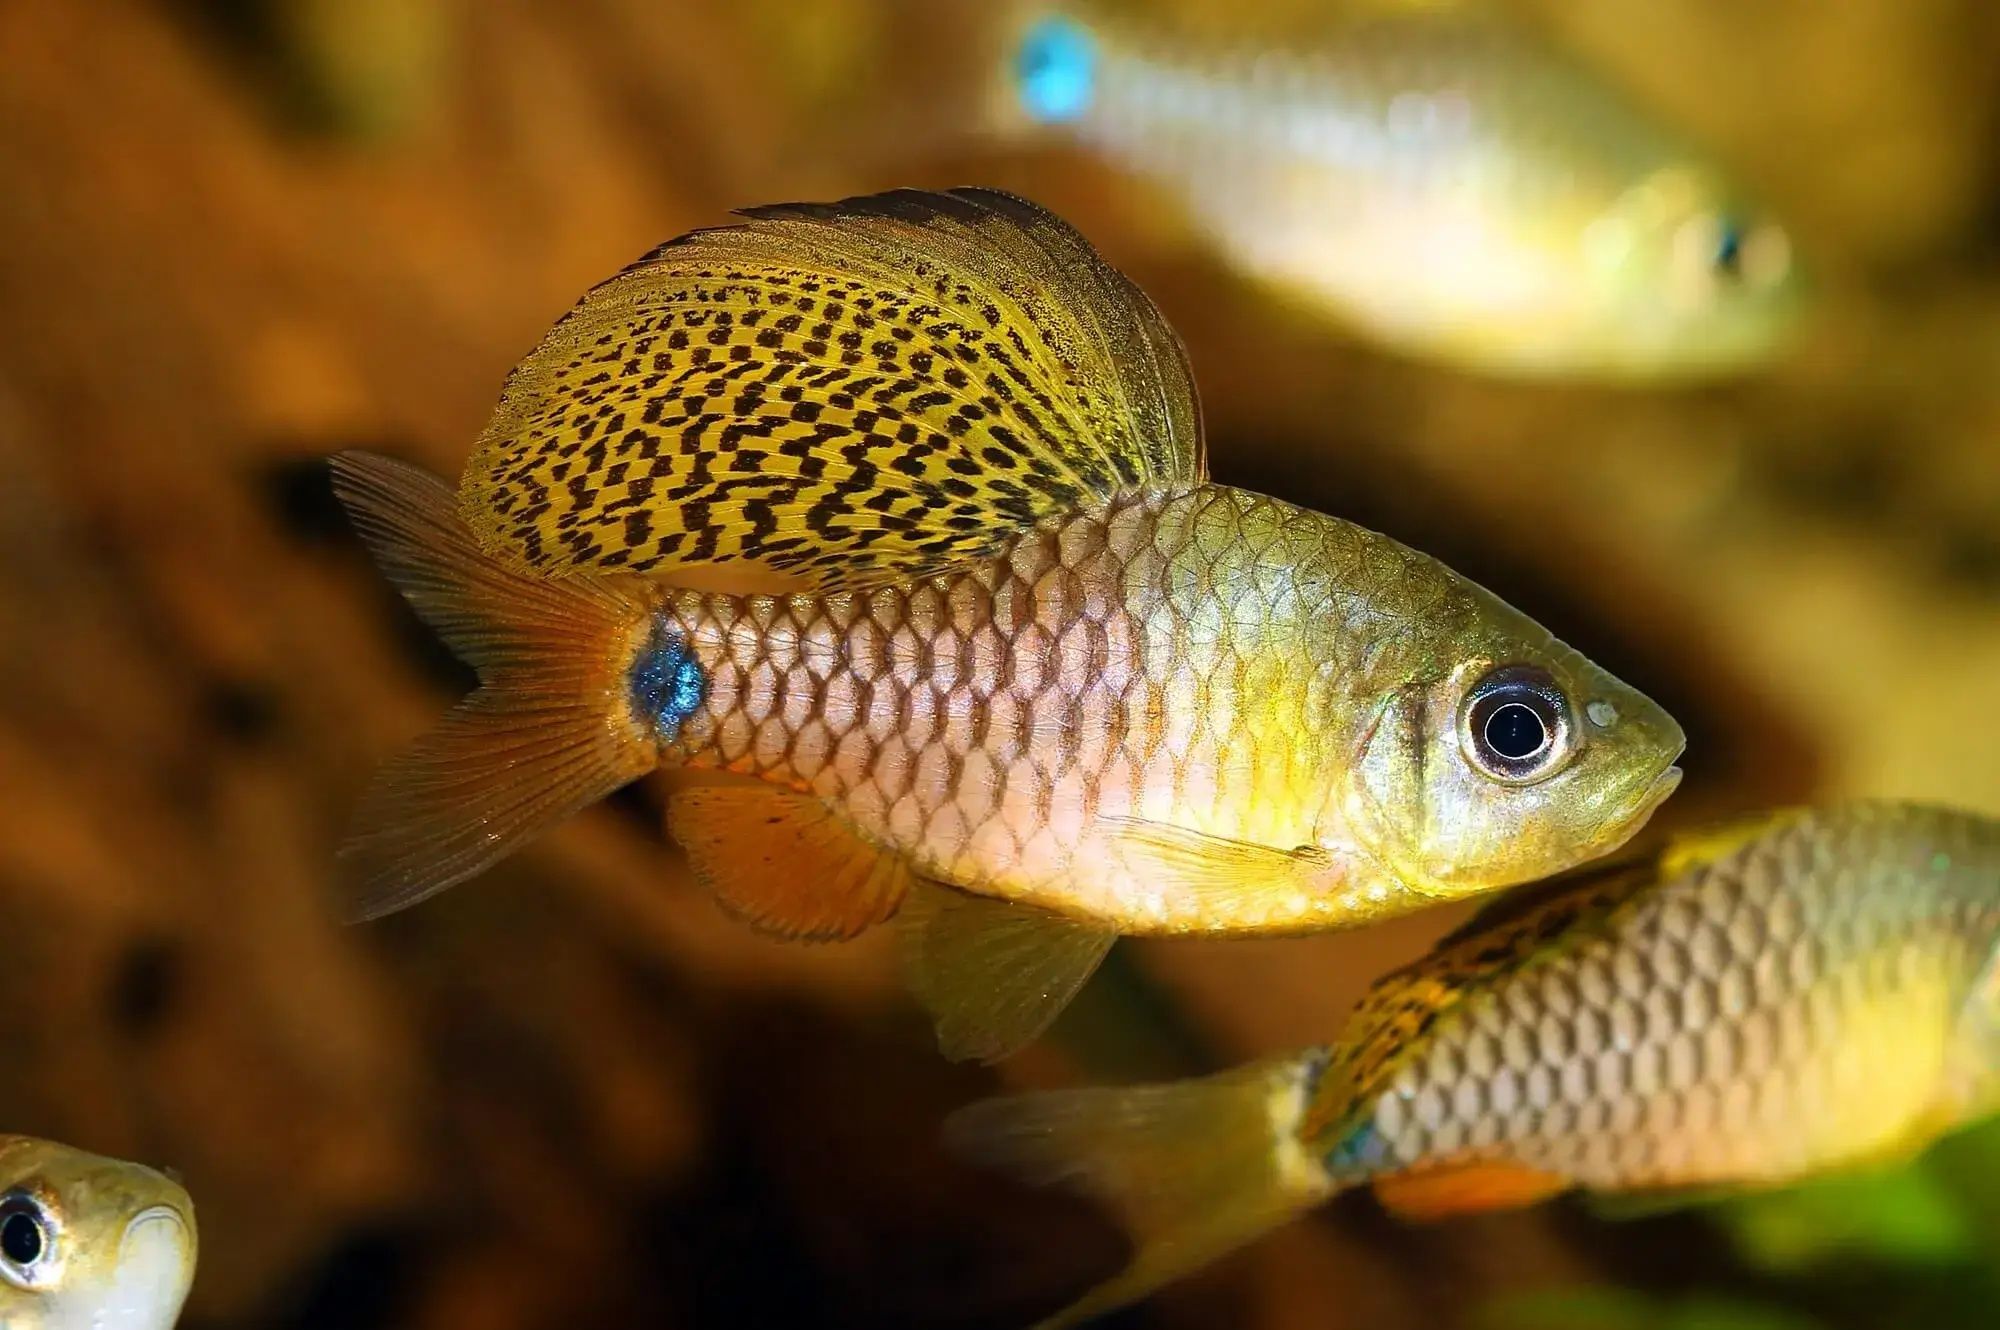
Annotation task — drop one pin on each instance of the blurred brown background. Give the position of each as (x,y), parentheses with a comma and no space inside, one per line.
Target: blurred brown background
(236,236)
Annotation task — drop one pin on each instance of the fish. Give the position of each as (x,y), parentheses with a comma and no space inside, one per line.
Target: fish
(1741,1007)
(88,1243)
(1436,178)
(1021,675)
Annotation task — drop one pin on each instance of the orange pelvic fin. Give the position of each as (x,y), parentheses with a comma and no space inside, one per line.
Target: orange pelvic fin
(1465,1189)
(784,862)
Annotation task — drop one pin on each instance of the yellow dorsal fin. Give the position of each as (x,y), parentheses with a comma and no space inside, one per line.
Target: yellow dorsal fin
(991,973)
(784,862)
(850,392)
(1522,928)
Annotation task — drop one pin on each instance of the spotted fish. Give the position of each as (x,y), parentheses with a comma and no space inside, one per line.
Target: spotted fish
(1020,672)
(1747,1007)
(1432,175)
(89,1243)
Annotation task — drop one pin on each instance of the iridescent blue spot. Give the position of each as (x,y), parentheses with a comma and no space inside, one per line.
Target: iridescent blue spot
(1056,70)
(665,682)
(1361,1150)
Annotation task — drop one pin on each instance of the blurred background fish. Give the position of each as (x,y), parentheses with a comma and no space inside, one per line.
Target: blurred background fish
(239,235)
(88,1243)
(1747,1007)
(1435,175)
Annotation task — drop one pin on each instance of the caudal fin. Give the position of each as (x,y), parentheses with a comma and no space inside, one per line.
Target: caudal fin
(1194,1168)
(549,731)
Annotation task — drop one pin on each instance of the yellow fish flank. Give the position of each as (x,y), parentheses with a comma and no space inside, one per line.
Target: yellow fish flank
(88,1243)
(1036,681)
(1434,175)
(1749,1007)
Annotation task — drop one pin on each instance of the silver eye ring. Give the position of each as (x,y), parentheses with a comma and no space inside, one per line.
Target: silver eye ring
(1517,727)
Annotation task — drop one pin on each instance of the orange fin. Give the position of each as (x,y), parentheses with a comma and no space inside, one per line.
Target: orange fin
(1465,1189)
(551,729)
(784,862)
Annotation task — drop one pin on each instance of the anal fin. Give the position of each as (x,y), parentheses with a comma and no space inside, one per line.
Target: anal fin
(784,862)
(991,973)
(1465,1189)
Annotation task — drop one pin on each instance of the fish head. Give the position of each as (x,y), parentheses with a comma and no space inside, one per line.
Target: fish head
(90,1242)
(1505,757)
(1687,278)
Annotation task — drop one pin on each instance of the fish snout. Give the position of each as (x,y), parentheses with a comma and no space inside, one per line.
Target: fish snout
(155,1269)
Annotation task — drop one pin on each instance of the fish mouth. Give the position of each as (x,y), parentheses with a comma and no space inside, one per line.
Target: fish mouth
(155,1269)
(1618,831)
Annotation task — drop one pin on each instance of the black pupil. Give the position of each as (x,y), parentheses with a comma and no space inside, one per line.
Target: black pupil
(21,1238)
(1514,731)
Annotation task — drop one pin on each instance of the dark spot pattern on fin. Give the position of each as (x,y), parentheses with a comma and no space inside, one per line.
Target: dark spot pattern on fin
(847,392)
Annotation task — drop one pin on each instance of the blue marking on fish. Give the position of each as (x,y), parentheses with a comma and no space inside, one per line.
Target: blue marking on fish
(1360,1151)
(666,683)
(1056,70)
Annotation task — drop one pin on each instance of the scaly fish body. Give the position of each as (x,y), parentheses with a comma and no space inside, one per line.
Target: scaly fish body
(1209,659)
(1816,991)
(1810,1002)
(1034,680)
(88,1243)
(1440,179)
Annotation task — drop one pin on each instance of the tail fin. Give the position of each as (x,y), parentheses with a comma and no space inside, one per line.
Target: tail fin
(1194,1168)
(550,729)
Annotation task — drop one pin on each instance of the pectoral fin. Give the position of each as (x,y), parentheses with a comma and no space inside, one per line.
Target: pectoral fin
(784,862)
(1214,867)
(1465,1189)
(991,973)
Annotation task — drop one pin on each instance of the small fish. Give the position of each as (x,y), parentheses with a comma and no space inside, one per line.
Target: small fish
(1751,1006)
(1038,683)
(1434,176)
(89,1243)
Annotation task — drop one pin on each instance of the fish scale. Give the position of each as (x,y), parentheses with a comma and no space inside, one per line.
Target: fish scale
(1748,1006)
(1736,1026)
(1038,679)
(1187,659)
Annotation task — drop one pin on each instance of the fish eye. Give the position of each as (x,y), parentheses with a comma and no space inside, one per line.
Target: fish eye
(1517,725)
(26,1238)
